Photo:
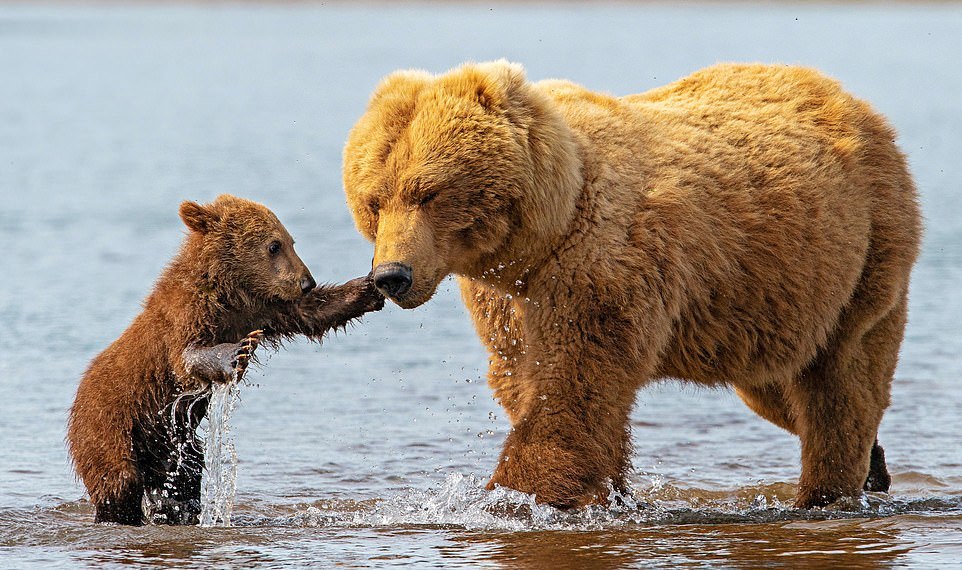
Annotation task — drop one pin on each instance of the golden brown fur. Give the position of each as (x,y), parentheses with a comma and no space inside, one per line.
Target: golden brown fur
(749,225)
(132,423)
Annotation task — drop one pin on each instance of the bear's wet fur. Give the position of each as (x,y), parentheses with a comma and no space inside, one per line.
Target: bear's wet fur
(236,282)
(752,226)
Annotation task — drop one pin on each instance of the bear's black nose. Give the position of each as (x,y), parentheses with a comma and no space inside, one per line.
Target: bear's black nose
(392,279)
(307,284)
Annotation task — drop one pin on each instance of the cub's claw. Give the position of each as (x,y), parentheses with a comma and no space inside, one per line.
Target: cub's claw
(366,296)
(244,353)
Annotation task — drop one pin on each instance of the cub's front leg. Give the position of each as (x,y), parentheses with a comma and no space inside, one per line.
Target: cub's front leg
(327,307)
(224,362)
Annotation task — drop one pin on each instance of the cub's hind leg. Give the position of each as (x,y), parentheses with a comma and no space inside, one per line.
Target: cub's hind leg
(124,505)
(101,447)
(171,458)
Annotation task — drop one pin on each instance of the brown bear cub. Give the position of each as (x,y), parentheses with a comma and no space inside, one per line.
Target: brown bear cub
(236,282)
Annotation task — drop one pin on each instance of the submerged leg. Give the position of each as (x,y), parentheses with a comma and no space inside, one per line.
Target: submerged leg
(122,507)
(172,461)
(878,479)
(100,440)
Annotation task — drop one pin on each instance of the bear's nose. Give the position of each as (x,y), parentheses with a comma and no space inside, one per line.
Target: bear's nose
(307,284)
(392,279)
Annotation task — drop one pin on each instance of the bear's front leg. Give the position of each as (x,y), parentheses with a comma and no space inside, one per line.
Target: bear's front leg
(584,361)
(561,470)
(570,443)
(224,362)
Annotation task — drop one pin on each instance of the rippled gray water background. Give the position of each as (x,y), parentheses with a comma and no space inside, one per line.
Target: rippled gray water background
(372,449)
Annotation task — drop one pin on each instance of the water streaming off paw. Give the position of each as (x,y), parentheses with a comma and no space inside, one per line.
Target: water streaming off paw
(219,483)
(372,449)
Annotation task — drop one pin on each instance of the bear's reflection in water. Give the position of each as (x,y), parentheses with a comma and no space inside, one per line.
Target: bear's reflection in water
(799,544)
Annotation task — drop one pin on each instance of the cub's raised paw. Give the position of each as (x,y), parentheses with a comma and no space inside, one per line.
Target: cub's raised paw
(245,352)
(373,300)
(365,295)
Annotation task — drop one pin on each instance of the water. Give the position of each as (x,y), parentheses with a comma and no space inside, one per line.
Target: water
(220,456)
(372,449)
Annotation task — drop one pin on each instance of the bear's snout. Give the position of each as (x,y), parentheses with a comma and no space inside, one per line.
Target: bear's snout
(393,279)
(307,284)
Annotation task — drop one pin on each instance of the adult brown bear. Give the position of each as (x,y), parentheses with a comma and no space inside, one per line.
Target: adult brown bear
(749,225)
(236,282)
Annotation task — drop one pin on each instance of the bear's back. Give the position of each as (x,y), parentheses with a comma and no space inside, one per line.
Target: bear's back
(741,125)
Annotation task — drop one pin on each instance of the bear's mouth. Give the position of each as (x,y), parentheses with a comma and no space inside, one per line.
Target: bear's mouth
(418,294)
(411,301)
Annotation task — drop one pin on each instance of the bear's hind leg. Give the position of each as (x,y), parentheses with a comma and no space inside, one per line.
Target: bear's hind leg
(839,401)
(175,498)
(838,423)
(186,483)
(769,402)
(184,506)
(174,488)
(878,479)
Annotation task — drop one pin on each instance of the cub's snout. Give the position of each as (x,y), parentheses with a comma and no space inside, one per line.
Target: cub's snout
(308,284)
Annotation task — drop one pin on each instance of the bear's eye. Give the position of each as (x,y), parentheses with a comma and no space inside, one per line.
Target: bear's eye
(375,207)
(427,199)
(274,248)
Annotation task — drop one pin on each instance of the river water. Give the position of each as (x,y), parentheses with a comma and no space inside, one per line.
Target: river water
(372,449)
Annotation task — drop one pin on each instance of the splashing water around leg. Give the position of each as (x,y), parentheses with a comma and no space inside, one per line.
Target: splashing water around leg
(220,458)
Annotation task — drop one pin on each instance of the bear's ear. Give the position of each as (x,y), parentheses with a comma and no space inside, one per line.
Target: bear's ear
(197,217)
(400,87)
(501,82)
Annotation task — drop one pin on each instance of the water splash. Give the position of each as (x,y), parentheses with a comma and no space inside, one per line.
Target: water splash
(461,501)
(220,458)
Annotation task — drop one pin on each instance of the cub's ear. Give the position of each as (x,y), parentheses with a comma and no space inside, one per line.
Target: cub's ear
(197,217)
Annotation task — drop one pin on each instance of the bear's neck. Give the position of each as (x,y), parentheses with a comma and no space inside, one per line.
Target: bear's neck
(553,190)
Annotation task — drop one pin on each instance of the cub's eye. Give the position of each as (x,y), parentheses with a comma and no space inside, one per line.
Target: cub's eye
(375,206)
(274,248)
(427,199)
